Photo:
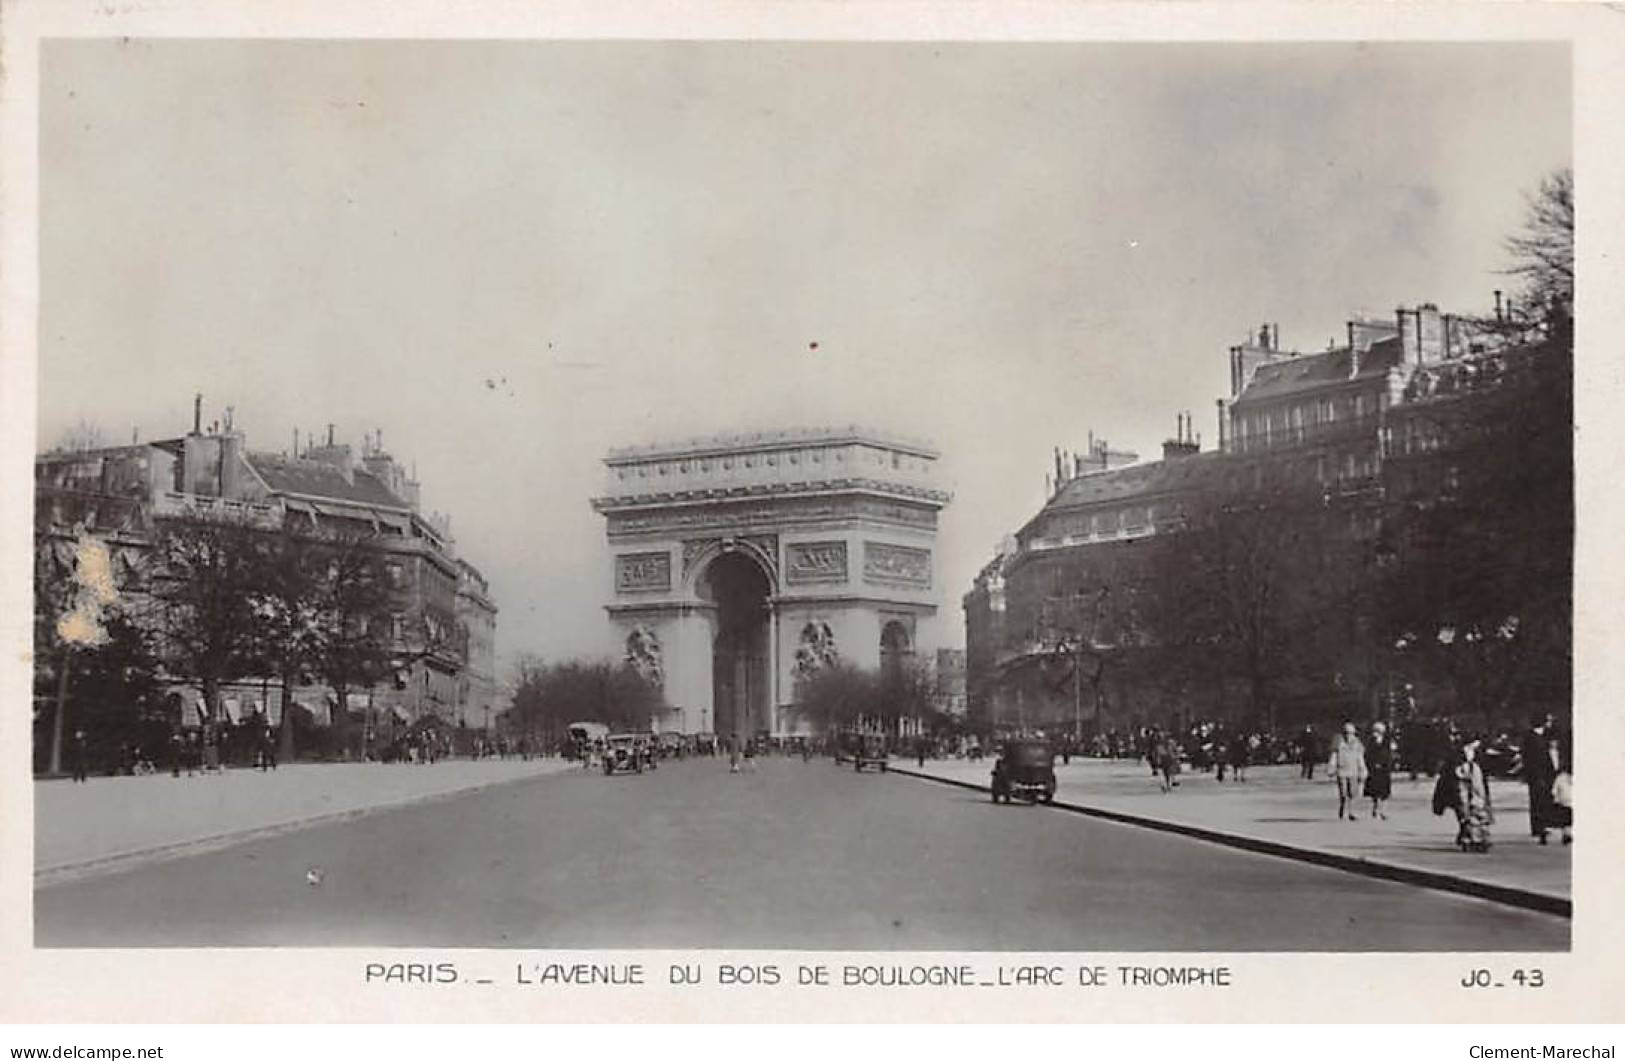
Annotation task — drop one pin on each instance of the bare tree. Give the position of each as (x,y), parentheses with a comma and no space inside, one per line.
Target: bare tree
(1543,250)
(1230,591)
(80,438)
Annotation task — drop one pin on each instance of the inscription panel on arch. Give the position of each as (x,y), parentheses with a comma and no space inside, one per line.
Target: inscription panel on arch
(641,572)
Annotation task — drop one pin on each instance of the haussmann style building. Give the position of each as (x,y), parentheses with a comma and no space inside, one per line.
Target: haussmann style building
(443,619)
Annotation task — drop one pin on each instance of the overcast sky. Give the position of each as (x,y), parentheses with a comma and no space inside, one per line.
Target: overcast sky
(511,257)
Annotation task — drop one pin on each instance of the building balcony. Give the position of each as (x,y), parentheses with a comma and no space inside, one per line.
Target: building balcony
(172,504)
(1279,438)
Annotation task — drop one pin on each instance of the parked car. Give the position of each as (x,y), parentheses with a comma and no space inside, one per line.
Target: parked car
(1025,768)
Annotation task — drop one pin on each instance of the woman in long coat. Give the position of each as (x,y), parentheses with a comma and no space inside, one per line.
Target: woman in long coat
(1379,765)
(1474,815)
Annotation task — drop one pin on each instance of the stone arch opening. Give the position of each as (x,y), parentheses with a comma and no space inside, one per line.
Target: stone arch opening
(741,693)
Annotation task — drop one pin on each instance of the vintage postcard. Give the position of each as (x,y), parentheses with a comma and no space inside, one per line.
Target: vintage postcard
(1087,513)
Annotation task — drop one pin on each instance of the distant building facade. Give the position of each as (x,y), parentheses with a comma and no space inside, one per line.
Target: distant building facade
(477,615)
(442,618)
(744,563)
(1362,435)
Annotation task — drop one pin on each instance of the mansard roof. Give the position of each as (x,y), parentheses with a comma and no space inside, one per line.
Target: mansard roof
(1135,480)
(308,478)
(1308,372)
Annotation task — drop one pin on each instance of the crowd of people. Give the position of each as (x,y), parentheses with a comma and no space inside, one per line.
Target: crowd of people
(1362,767)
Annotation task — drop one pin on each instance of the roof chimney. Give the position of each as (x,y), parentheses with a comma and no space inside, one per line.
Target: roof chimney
(1180,445)
(197,399)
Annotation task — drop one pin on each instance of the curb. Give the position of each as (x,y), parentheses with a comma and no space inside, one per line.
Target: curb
(1541,902)
(105,865)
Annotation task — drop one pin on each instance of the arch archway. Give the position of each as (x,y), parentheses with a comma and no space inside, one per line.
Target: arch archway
(896,647)
(741,679)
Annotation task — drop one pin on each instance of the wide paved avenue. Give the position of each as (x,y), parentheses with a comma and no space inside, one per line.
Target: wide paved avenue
(798,855)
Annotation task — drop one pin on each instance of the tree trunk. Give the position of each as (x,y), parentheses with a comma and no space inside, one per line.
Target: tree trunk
(341,719)
(211,700)
(1262,705)
(59,716)
(285,730)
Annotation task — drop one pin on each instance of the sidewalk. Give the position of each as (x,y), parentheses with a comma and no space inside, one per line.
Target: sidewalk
(1277,812)
(110,823)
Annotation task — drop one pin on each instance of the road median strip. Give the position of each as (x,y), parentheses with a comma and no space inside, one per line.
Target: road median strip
(1542,902)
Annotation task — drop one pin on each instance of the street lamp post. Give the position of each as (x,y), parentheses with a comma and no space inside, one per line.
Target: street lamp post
(1077,690)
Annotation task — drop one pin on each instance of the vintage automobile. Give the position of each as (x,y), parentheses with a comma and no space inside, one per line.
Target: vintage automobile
(625,752)
(669,745)
(1025,768)
(870,750)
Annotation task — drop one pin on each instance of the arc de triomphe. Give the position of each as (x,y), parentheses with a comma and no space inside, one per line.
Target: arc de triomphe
(743,561)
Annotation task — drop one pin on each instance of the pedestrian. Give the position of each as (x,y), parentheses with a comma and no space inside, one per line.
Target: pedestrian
(1167,763)
(919,750)
(1348,769)
(1379,761)
(1241,753)
(1539,774)
(733,753)
(1307,753)
(267,749)
(1474,813)
(1563,791)
(78,755)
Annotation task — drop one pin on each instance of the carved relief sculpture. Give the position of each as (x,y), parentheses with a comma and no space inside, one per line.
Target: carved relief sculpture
(896,563)
(643,653)
(816,562)
(816,651)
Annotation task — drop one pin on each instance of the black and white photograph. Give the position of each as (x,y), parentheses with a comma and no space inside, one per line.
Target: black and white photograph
(805,495)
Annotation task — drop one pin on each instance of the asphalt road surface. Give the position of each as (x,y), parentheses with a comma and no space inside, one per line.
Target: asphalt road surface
(797,855)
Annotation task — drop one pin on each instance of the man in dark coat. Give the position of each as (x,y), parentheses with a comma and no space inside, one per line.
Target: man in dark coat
(1539,772)
(79,755)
